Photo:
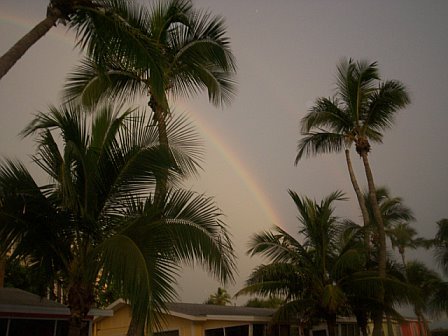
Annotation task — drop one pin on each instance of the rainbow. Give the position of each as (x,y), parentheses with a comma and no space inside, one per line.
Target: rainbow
(210,134)
(241,170)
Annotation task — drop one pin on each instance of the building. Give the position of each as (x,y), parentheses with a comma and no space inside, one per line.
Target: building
(24,313)
(348,327)
(190,319)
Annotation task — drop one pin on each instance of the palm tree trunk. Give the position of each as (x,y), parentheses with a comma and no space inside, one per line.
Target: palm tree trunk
(331,325)
(377,317)
(135,328)
(378,320)
(2,270)
(377,215)
(361,321)
(390,329)
(423,327)
(18,50)
(359,196)
(403,260)
(162,180)
(80,300)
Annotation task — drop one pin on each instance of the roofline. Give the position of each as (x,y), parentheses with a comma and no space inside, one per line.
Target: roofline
(238,318)
(16,310)
(117,304)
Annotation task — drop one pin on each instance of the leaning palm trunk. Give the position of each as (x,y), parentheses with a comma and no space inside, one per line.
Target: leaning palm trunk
(18,50)
(359,196)
(378,317)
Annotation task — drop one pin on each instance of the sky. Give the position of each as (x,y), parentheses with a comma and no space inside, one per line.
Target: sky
(287,52)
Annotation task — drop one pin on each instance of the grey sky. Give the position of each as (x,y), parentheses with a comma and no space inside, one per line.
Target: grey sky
(287,53)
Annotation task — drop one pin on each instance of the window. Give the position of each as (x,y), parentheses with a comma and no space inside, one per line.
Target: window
(237,331)
(349,329)
(167,333)
(321,332)
(242,330)
(19,327)
(3,326)
(33,327)
(214,332)
(259,330)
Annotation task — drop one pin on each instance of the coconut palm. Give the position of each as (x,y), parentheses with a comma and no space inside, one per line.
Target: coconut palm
(96,221)
(403,236)
(361,110)
(396,217)
(427,283)
(313,275)
(194,53)
(441,244)
(220,298)
(99,24)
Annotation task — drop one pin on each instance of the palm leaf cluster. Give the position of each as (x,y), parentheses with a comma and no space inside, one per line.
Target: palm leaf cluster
(192,53)
(326,270)
(361,110)
(96,220)
(318,275)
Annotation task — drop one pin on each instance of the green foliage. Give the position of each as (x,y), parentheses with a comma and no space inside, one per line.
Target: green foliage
(272,302)
(313,273)
(441,244)
(95,224)
(188,51)
(26,277)
(220,298)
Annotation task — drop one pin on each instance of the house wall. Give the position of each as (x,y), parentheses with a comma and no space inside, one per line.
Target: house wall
(116,325)
(119,323)
(403,328)
(184,326)
(196,328)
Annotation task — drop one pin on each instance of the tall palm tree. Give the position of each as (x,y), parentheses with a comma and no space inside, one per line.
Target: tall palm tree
(311,274)
(97,220)
(195,55)
(97,23)
(361,110)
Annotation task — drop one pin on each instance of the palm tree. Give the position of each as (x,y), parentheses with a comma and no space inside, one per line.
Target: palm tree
(97,23)
(97,220)
(426,282)
(403,236)
(313,275)
(361,110)
(194,56)
(441,244)
(220,298)
(396,217)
